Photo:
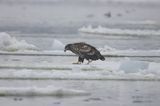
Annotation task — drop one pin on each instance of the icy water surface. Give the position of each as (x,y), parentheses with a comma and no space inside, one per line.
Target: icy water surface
(113,93)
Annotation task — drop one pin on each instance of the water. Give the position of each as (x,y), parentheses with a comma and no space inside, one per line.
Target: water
(43,22)
(112,93)
(40,22)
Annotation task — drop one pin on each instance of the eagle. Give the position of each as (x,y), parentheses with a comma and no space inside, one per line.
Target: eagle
(84,51)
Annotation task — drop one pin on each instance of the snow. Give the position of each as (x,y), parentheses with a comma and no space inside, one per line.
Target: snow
(108,70)
(133,53)
(40,91)
(11,46)
(108,50)
(57,45)
(105,31)
(125,69)
(154,68)
(8,43)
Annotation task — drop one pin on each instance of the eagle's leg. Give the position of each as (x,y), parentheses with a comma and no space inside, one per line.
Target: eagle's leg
(76,62)
(89,61)
(80,60)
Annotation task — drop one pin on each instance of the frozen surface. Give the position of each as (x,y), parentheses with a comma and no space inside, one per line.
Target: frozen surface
(57,45)
(11,46)
(133,66)
(107,50)
(40,91)
(105,30)
(112,93)
(114,70)
(8,43)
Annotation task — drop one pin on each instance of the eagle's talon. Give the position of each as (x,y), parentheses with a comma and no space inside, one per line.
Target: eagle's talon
(89,61)
(76,62)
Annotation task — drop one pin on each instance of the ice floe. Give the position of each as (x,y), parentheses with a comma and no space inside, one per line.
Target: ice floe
(133,66)
(40,91)
(57,45)
(107,50)
(11,46)
(8,43)
(118,31)
(108,70)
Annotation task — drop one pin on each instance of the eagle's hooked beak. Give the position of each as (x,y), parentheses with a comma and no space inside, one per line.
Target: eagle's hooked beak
(65,50)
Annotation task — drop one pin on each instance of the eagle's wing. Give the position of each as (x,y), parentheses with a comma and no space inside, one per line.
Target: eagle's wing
(83,49)
(86,49)
(80,47)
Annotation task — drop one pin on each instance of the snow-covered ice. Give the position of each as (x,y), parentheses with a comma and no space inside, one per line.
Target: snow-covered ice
(107,50)
(116,70)
(40,91)
(104,30)
(22,48)
(57,45)
(8,43)
(133,66)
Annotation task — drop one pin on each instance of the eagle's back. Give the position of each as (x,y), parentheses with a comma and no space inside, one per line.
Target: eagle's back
(86,51)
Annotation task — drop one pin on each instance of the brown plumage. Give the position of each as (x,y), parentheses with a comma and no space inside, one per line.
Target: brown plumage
(84,51)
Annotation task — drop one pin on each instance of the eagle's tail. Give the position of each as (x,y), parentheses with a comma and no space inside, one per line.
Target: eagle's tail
(102,57)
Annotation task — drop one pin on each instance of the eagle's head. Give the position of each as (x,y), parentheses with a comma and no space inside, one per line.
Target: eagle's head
(67,47)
